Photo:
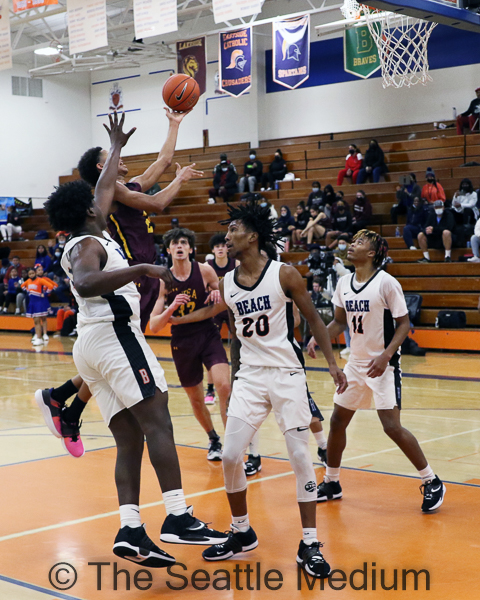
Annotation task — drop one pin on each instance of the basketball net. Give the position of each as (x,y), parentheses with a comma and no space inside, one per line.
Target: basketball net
(401,41)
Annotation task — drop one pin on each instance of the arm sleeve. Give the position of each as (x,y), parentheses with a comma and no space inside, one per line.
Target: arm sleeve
(394,298)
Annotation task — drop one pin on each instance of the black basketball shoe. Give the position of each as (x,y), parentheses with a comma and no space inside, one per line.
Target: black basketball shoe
(132,543)
(238,541)
(329,491)
(214,450)
(433,494)
(322,456)
(311,559)
(186,529)
(253,465)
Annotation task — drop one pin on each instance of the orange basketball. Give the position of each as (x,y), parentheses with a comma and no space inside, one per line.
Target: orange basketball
(181,92)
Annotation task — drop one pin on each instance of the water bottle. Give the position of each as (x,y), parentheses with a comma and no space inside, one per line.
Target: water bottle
(397,232)
(277,185)
(454,113)
(469,244)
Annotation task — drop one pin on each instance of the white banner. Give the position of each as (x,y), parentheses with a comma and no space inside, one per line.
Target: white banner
(154,17)
(225,10)
(87,25)
(5,39)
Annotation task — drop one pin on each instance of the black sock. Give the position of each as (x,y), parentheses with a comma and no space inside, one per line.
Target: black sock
(72,413)
(213,436)
(63,393)
(210,388)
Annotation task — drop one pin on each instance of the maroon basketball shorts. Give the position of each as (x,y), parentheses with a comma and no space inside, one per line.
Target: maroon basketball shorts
(148,288)
(220,319)
(191,352)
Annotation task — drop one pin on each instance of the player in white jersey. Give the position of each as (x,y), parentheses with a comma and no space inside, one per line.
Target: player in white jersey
(371,303)
(115,361)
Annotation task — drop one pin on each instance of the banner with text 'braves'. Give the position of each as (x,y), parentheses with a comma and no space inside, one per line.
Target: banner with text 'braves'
(191,60)
(360,52)
(291,51)
(235,57)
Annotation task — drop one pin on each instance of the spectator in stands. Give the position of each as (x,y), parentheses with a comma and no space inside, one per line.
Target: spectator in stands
(416,222)
(405,194)
(276,172)
(353,164)
(13,225)
(14,264)
(470,118)
(273,210)
(362,212)
(373,164)
(329,197)
(341,224)
(464,223)
(13,293)
(224,181)
(58,245)
(315,198)
(285,223)
(323,305)
(342,249)
(315,229)
(302,216)
(467,196)
(252,173)
(42,258)
(432,190)
(475,242)
(438,232)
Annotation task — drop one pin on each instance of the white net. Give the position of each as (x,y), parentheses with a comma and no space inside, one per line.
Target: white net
(351,9)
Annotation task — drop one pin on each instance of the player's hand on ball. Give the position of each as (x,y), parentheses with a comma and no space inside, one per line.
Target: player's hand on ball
(188,172)
(377,366)
(115,131)
(311,347)
(214,296)
(176,117)
(339,378)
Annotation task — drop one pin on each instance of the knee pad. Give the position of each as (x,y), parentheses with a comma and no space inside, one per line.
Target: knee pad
(238,435)
(302,465)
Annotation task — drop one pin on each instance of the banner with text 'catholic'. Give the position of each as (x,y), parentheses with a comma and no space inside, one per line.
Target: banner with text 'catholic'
(360,52)
(235,57)
(19,5)
(191,60)
(291,51)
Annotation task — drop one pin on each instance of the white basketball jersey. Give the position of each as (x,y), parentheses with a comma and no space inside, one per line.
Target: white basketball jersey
(263,320)
(123,303)
(370,308)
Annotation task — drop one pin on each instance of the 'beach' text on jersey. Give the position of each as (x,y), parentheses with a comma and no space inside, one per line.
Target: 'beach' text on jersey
(247,307)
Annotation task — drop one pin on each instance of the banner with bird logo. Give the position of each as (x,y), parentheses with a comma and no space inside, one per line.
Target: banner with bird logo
(235,58)
(291,51)
(191,60)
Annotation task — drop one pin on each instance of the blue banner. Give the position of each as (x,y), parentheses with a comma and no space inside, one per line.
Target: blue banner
(235,58)
(291,51)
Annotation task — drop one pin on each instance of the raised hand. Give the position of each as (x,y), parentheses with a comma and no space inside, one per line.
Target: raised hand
(115,131)
(187,173)
(176,117)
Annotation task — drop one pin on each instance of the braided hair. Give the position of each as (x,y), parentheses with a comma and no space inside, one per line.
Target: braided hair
(255,218)
(378,243)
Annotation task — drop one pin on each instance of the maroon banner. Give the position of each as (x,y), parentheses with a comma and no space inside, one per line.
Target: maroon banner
(191,60)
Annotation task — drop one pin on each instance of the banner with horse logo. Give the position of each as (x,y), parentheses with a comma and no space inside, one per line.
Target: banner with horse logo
(191,60)
(235,57)
(291,51)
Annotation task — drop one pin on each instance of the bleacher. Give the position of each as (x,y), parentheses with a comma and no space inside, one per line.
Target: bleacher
(453,285)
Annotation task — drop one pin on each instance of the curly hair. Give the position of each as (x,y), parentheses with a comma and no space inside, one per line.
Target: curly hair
(378,244)
(87,165)
(179,232)
(67,206)
(216,240)
(255,218)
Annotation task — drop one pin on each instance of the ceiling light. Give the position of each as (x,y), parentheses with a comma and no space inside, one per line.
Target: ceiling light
(48,51)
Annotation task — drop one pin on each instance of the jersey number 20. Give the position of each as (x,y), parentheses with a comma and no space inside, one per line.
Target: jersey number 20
(262,326)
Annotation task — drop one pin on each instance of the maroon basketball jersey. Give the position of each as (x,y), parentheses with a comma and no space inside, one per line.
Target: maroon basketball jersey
(195,288)
(222,271)
(132,230)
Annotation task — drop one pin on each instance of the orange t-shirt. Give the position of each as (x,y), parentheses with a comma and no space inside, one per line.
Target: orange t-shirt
(38,286)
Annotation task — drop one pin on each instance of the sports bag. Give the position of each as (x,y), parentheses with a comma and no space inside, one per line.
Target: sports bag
(451,319)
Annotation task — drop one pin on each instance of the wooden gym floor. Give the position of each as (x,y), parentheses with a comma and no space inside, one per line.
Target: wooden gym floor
(55,509)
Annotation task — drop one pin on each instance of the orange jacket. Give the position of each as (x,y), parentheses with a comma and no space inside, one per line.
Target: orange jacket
(432,192)
(38,286)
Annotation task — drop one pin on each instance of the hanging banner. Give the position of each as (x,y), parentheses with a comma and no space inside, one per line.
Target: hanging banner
(19,5)
(191,60)
(5,38)
(87,25)
(235,59)
(225,10)
(360,54)
(154,17)
(291,51)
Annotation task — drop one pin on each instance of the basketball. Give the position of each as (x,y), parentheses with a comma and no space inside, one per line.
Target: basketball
(181,92)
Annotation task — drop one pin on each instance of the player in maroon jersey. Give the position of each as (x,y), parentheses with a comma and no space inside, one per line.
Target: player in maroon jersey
(198,344)
(131,229)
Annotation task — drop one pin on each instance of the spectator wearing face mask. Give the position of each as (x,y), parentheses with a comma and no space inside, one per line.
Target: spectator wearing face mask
(329,197)
(432,190)
(475,241)
(373,164)
(353,164)
(362,212)
(315,198)
(276,172)
(405,195)
(341,223)
(42,258)
(464,223)
(416,221)
(58,245)
(224,181)
(437,233)
(285,223)
(467,196)
(471,117)
(252,173)
(302,216)
(342,249)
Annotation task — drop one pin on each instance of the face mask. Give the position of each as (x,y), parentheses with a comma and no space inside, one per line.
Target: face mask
(351,151)
(277,157)
(439,211)
(341,208)
(342,246)
(359,197)
(465,189)
(263,204)
(58,254)
(224,169)
(61,244)
(430,180)
(315,189)
(252,157)
(458,209)
(284,214)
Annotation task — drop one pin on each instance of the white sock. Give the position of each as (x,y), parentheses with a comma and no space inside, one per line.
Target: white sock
(130,515)
(332,474)
(174,501)
(427,255)
(310,535)
(448,253)
(254,444)
(427,474)
(241,523)
(321,439)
